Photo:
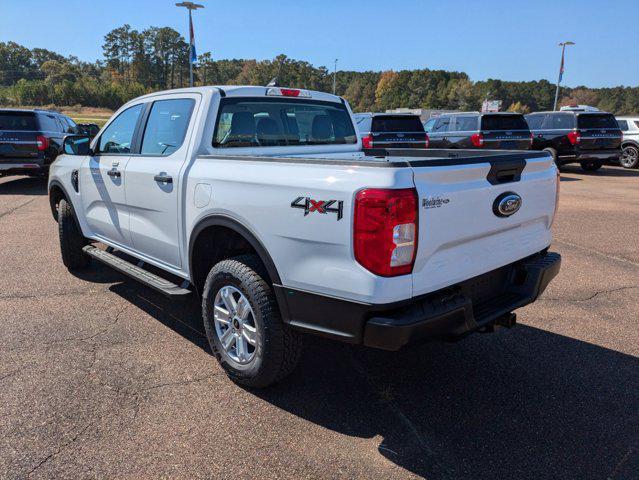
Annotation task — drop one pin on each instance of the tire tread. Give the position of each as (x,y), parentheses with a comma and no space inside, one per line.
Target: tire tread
(282,345)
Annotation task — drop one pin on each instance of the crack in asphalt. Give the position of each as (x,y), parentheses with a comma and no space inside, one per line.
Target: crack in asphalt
(4,214)
(597,293)
(623,460)
(9,375)
(103,331)
(28,296)
(60,449)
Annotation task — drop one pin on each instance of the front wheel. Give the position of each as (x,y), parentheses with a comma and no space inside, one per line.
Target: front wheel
(243,324)
(591,165)
(71,239)
(629,157)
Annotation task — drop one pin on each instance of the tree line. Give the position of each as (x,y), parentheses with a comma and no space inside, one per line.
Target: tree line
(137,62)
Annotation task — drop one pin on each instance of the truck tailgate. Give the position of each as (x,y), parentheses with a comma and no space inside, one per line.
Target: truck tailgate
(460,235)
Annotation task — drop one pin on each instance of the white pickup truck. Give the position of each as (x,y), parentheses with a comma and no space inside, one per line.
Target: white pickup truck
(261,201)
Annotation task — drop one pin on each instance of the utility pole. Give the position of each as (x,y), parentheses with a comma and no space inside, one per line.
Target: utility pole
(190,6)
(561,72)
(335,76)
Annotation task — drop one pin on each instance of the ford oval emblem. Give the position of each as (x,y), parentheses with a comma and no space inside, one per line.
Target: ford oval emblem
(507,204)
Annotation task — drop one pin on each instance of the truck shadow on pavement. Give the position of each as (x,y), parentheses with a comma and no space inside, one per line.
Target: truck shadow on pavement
(521,403)
(23,186)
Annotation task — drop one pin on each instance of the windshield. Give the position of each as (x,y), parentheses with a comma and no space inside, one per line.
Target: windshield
(17,121)
(597,121)
(270,122)
(397,123)
(503,122)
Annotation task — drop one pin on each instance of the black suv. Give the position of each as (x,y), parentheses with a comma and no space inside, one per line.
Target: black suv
(390,130)
(31,139)
(499,131)
(590,138)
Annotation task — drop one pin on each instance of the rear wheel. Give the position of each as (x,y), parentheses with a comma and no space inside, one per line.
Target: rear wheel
(71,239)
(591,165)
(629,157)
(552,152)
(243,324)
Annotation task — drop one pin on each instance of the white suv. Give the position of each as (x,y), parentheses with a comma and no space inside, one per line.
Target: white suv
(630,142)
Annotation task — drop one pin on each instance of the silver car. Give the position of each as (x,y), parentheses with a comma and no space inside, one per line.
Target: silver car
(630,143)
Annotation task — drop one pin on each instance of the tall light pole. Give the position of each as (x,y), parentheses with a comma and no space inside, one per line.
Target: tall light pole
(190,6)
(335,76)
(561,71)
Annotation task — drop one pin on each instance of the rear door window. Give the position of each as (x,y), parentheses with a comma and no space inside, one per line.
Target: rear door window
(17,121)
(166,126)
(68,125)
(535,122)
(623,125)
(442,125)
(48,123)
(397,123)
(597,121)
(560,121)
(363,123)
(428,126)
(465,123)
(503,122)
(270,122)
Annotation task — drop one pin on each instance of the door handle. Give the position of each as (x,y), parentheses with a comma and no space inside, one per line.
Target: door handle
(114,173)
(163,178)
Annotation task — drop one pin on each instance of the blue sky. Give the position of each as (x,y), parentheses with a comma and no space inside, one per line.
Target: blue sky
(510,40)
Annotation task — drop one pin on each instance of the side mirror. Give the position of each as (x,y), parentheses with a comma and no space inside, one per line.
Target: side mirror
(76,145)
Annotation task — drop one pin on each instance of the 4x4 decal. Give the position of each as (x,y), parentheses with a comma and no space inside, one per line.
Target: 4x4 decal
(320,206)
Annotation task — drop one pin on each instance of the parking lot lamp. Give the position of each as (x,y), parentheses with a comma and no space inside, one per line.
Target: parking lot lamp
(561,71)
(190,6)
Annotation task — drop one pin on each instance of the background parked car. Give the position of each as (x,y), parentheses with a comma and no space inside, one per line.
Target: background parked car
(630,143)
(590,138)
(384,130)
(30,140)
(501,131)
(89,129)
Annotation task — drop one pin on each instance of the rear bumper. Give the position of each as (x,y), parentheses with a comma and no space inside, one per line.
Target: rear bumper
(452,312)
(596,155)
(21,167)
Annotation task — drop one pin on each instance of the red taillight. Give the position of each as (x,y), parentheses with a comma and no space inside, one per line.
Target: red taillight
(532,140)
(385,230)
(42,142)
(367,141)
(426,141)
(574,137)
(290,92)
(477,139)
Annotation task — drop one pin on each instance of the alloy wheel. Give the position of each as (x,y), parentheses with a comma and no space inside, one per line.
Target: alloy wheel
(235,324)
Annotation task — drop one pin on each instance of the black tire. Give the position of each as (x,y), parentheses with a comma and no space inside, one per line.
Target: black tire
(71,239)
(629,157)
(553,152)
(591,165)
(277,349)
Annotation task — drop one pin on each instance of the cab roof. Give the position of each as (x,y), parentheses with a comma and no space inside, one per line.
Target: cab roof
(245,91)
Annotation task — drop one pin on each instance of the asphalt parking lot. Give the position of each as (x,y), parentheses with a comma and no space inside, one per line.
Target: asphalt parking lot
(101,377)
